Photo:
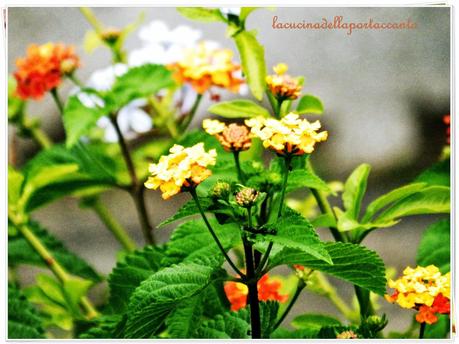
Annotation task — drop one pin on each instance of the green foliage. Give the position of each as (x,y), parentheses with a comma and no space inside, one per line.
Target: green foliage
(440,329)
(268,313)
(106,327)
(309,104)
(298,179)
(16,105)
(202,14)
(163,292)
(185,320)
(253,61)
(354,190)
(351,262)
(188,209)
(239,108)
(230,325)
(434,247)
(313,321)
(438,174)
(21,252)
(24,321)
(129,273)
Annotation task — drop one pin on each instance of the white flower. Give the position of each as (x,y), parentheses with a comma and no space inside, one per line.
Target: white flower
(236,11)
(103,79)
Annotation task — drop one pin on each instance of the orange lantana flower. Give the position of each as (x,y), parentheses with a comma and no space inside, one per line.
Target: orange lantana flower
(42,69)
(268,289)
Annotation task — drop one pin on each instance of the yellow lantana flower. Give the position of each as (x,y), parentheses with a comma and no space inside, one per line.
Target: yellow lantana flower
(281,85)
(205,66)
(290,135)
(182,168)
(233,137)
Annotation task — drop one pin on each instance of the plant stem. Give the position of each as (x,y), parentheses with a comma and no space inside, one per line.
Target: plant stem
(92,20)
(57,100)
(189,117)
(113,225)
(325,208)
(422,328)
(41,138)
(75,80)
(300,286)
(363,296)
(136,188)
(240,175)
(209,227)
(54,266)
(253,290)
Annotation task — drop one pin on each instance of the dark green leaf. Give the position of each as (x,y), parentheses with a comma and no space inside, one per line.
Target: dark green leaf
(438,174)
(310,104)
(240,108)
(253,62)
(268,315)
(202,14)
(354,190)
(351,262)
(434,247)
(188,209)
(282,333)
(106,327)
(230,325)
(439,330)
(20,252)
(186,319)
(313,321)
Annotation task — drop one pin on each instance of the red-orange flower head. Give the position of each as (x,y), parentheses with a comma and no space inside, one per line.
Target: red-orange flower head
(42,69)
(447,121)
(268,289)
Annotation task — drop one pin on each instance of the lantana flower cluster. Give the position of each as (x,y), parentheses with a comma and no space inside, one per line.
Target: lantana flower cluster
(42,69)
(233,137)
(289,136)
(182,168)
(424,289)
(268,289)
(282,85)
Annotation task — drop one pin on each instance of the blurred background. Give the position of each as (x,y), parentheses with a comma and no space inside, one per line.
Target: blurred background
(384,91)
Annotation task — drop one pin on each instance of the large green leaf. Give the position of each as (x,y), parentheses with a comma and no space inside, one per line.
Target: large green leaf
(253,61)
(351,262)
(129,273)
(164,291)
(202,14)
(106,327)
(23,320)
(434,247)
(188,209)
(294,231)
(184,321)
(305,178)
(268,314)
(391,197)
(438,174)
(20,252)
(15,180)
(230,325)
(430,200)
(240,108)
(354,190)
(313,321)
(310,104)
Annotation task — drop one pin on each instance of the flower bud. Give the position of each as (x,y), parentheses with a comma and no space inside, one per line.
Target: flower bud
(246,197)
(111,35)
(221,190)
(68,66)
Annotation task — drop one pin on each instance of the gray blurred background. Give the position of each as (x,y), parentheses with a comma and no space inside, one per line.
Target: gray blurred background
(384,91)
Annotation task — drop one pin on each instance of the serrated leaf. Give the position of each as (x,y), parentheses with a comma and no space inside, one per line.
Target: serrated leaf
(391,197)
(283,333)
(106,327)
(186,319)
(313,321)
(305,178)
(310,104)
(351,262)
(230,325)
(430,200)
(162,292)
(438,174)
(20,252)
(188,209)
(434,247)
(202,14)
(24,321)
(354,190)
(253,62)
(239,108)
(268,317)
(294,231)
(128,274)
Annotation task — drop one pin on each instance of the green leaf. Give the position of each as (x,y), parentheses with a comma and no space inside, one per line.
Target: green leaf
(430,200)
(20,252)
(139,82)
(79,119)
(354,190)
(23,320)
(351,262)
(202,14)
(268,315)
(239,108)
(313,321)
(282,333)
(245,11)
(186,319)
(434,247)
(15,180)
(188,209)
(298,179)
(391,197)
(440,329)
(91,41)
(129,273)
(162,292)
(192,240)
(253,62)
(294,231)
(230,325)
(310,104)
(106,327)
(438,174)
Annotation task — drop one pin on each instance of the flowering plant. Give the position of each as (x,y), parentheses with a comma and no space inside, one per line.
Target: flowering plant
(127,128)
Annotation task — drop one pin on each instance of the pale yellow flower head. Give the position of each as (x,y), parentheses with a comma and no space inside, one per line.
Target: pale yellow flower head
(281,85)
(182,168)
(290,135)
(233,137)
(205,66)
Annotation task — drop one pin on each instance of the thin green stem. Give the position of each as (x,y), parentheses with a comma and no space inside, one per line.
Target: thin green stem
(363,297)
(209,227)
(237,162)
(136,190)
(92,20)
(299,287)
(41,138)
(113,225)
(57,100)
(422,328)
(54,266)
(325,208)
(189,117)
(75,80)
